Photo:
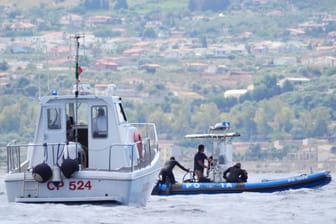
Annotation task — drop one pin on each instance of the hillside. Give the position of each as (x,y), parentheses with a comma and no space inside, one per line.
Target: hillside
(176,65)
(29,4)
(145,5)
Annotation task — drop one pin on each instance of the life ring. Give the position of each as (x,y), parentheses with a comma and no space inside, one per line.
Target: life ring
(138,140)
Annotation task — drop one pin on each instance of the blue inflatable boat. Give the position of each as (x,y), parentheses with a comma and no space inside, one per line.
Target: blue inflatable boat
(222,159)
(313,180)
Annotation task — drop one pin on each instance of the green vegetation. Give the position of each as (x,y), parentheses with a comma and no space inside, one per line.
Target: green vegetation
(184,99)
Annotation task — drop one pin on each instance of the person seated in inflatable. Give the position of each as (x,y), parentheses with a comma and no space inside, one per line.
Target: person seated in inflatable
(167,171)
(235,174)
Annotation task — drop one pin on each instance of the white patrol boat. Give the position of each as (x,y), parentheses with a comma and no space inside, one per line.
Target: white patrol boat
(84,151)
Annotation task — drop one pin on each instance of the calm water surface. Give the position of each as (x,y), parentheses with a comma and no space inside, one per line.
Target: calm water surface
(299,206)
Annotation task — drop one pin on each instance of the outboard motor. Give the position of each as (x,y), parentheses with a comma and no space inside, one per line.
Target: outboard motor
(42,173)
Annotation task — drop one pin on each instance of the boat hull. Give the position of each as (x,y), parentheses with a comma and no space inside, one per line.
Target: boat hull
(313,180)
(85,187)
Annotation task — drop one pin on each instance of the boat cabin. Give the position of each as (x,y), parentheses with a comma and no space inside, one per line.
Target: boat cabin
(87,124)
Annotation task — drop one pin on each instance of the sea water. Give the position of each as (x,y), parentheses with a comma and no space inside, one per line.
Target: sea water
(295,206)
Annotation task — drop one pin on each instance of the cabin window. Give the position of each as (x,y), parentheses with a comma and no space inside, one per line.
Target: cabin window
(121,113)
(79,111)
(77,114)
(54,118)
(99,121)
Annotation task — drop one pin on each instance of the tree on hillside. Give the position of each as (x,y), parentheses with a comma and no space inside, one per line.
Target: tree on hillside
(204,5)
(149,33)
(254,152)
(282,119)
(266,88)
(319,125)
(180,120)
(10,119)
(261,119)
(204,116)
(4,66)
(215,5)
(195,5)
(204,43)
(121,4)
(287,86)
(161,119)
(243,118)
(97,4)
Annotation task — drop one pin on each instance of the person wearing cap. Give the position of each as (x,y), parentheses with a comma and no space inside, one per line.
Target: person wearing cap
(167,170)
(235,174)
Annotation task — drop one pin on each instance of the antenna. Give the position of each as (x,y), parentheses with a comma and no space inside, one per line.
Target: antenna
(76,37)
(77,72)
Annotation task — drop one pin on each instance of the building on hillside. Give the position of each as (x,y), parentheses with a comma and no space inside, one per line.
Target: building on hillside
(133,52)
(293,80)
(21,49)
(105,89)
(105,64)
(322,61)
(73,20)
(150,68)
(296,32)
(224,51)
(99,20)
(22,26)
(195,67)
(285,61)
(236,93)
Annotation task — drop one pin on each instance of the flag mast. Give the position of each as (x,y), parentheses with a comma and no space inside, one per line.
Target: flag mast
(77,36)
(77,58)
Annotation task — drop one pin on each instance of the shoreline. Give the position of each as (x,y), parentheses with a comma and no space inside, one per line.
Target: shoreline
(286,166)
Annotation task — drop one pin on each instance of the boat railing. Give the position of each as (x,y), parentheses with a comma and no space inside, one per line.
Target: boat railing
(122,157)
(3,161)
(20,156)
(134,159)
(15,156)
(148,132)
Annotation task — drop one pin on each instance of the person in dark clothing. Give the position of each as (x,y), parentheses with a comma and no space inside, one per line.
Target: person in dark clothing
(199,162)
(167,171)
(235,174)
